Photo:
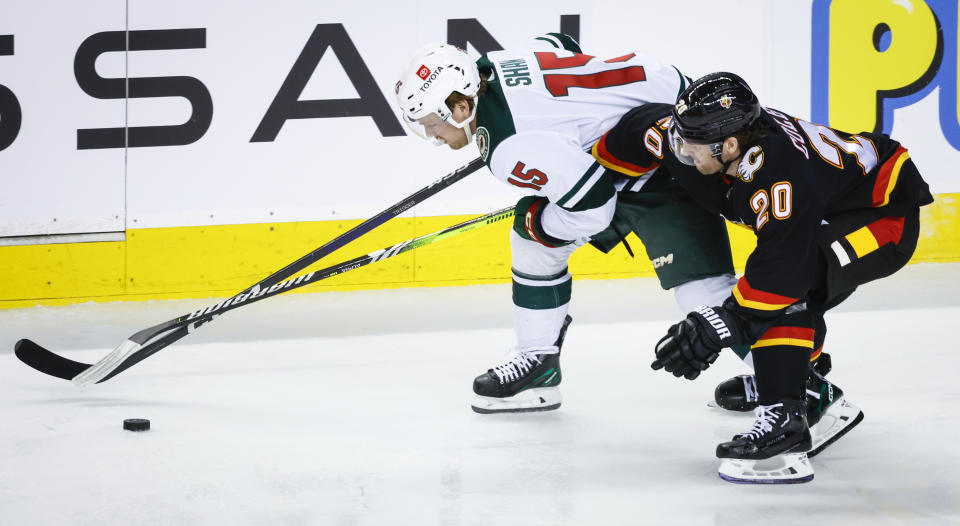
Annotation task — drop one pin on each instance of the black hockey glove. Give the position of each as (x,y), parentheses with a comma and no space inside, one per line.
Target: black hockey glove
(527,221)
(693,344)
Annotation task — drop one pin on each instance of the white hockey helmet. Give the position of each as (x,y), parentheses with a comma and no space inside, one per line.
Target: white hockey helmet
(434,72)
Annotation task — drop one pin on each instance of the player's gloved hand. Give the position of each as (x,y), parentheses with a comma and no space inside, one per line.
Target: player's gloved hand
(693,344)
(527,221)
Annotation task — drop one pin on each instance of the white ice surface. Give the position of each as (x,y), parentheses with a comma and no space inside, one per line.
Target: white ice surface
(353,409)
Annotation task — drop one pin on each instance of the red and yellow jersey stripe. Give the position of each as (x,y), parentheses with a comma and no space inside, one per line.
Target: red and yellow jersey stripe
(887,177)
(873,236)
(816,354)
(608,160)
(792,336)
(752,298)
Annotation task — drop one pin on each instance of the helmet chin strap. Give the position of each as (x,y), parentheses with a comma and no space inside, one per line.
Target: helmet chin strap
(723,165)
(465,125)
(726,165)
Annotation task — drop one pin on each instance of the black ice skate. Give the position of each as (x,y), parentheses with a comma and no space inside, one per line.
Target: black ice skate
(526,382)
(740,392)
(774,451)
(737,394)
(829,414)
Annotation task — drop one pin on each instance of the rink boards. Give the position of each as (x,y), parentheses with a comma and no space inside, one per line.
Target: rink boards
(211,261)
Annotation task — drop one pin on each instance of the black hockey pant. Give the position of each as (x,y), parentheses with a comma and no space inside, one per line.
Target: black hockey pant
(855,248)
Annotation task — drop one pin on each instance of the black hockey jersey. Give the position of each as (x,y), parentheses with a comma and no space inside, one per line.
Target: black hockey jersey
(637,146)
(797,177)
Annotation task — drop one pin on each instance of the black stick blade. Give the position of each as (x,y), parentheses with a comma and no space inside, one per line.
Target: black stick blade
(47,362)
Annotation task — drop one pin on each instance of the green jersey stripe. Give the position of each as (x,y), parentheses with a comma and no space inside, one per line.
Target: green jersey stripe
(590,178)
(551,41)
(683,80)
(532,277)
(541,298)
(597,196)
(540,281)
(567,42)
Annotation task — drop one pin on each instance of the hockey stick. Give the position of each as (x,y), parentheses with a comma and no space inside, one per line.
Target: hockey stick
(142,337)
(130,352)
(368,225)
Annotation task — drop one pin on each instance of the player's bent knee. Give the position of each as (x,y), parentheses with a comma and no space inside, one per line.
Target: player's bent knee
(706,291)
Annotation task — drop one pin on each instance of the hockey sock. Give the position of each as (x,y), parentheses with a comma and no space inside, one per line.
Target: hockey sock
(781,372)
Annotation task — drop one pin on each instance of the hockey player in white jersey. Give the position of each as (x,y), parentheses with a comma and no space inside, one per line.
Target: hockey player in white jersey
(536,114)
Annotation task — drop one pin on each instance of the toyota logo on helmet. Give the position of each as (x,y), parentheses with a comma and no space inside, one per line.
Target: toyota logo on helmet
(432,74)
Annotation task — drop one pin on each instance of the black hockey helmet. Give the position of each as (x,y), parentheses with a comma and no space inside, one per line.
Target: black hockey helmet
(715,107)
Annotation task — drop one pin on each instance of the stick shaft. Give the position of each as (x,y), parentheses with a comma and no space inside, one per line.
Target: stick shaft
(369,224)
(300,281)
(433,188)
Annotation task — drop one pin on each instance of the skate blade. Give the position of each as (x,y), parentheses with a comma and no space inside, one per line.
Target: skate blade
(839,419)
(789,468)
(531,400)
(716,407)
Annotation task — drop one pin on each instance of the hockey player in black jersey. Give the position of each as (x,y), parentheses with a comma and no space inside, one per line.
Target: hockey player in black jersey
(641,139)
(830,210)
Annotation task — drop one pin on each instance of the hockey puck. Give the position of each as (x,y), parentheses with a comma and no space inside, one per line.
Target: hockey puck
(136,424)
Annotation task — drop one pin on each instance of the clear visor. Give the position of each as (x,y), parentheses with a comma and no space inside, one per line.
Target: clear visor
(427,127)
(431,125)
(688,152)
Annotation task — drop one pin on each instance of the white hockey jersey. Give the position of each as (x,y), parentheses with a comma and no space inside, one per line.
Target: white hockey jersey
(544,108)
